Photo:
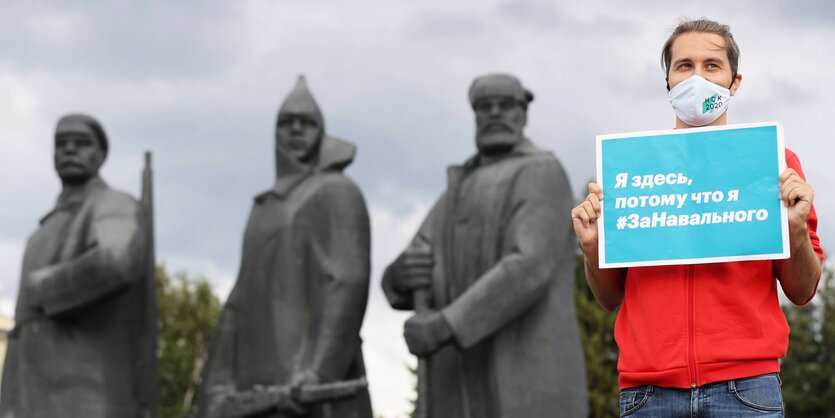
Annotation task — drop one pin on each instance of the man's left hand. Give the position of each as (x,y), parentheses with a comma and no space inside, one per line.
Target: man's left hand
(426,332)
(798,196)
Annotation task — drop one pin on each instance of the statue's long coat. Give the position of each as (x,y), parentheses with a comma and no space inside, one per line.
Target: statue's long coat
(301,293)
(503,277)
(83,343)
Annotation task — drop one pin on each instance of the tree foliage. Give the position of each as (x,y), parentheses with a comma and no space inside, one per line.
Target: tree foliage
(188,311)
(808,371)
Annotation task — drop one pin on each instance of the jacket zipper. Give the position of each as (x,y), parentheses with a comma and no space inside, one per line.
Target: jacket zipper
(691,313)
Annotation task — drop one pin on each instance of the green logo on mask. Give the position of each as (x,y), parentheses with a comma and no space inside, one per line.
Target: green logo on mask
(711,103)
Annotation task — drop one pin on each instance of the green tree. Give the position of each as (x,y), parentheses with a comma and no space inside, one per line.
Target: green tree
(598,337)
(188,311)
(808,371)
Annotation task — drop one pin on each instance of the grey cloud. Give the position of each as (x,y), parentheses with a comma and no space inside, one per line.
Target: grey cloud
(776,98)
(530,10)
(122,39)
(786,15)
(447,26)
(550,16)
(788,92)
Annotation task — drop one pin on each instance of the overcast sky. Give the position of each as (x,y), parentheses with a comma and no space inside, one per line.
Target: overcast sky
(199,84)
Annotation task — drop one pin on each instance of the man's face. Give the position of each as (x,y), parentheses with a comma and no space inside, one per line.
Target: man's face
(77,157)
(299,134)
(500,121)
(702,54)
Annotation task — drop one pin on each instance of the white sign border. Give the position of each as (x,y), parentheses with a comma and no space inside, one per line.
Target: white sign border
(781,159)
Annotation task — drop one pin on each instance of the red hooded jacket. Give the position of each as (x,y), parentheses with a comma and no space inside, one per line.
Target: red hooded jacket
(691,325)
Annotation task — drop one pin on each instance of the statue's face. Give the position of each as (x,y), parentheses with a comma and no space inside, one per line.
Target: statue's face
(500,121)
(78,157)
(299,134)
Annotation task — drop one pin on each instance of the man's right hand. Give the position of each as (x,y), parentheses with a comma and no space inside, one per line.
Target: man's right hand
(606,284)
(585,216)
(413,269)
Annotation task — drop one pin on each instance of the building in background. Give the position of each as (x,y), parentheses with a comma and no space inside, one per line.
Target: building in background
(6,326)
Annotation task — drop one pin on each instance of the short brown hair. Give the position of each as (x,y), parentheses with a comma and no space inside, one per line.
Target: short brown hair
(702,25)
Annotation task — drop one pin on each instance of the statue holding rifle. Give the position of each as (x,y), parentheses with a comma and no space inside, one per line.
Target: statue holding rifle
(85,341)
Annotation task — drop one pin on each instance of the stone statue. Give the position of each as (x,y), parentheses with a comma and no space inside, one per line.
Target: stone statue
(287,342)
(84,343)
(496,256)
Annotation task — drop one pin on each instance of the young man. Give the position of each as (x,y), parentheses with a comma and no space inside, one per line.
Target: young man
(704,340)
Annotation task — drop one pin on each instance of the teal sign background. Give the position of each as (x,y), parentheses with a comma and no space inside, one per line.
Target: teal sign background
(748,158)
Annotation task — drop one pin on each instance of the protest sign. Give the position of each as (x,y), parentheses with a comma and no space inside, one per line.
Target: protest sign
(689,196)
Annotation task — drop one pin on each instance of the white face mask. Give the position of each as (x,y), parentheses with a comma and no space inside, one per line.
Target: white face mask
(699,102)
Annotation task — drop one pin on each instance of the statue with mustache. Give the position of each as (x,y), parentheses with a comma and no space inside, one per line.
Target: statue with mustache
(490,275)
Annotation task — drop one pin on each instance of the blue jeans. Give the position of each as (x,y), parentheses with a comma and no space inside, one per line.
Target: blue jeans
(757,396)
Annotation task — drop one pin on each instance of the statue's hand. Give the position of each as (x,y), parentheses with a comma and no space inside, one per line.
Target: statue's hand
(33,285)
(413,269)
(300,379)
(426,332)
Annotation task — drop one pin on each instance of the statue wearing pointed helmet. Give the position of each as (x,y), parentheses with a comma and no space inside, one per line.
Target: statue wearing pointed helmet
(287,343)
